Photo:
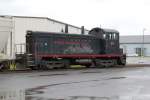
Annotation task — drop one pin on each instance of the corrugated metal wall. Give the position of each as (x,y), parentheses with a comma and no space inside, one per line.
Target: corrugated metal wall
(6,38)
(13,30)
(39,24)
(22,24)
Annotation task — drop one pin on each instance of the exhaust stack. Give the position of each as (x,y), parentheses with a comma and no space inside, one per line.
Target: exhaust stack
(82,30)
(66,28)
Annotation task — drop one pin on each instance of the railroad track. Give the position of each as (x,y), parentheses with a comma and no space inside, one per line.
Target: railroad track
(76,67)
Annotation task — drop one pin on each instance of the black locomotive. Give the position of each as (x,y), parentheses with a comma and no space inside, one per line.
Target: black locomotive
(100,47)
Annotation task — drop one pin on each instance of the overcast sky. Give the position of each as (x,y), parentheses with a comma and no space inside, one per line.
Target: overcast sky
(129,17)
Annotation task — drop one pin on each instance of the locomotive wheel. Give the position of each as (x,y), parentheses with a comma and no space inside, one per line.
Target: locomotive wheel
(122,61)
(34,67)
(67,64)
(98,64)
(114,62)
(106,63)
(93,64)
(102,63)
(49,66)
(88,65)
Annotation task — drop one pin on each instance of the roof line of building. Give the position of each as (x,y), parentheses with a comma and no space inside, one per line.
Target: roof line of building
(43,18)
(134,35)
(136,43)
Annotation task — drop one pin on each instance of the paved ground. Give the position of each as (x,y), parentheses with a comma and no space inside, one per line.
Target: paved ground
(130,83)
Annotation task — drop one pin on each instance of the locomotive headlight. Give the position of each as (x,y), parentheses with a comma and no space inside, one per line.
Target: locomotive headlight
(45,44)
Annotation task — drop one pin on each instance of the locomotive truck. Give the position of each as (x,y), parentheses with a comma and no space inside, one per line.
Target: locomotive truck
(100,47)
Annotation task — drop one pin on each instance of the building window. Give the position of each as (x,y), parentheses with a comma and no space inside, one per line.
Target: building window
(140,51)
(104,36)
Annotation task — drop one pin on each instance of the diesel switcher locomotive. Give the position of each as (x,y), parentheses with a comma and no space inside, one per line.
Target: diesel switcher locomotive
(100,47)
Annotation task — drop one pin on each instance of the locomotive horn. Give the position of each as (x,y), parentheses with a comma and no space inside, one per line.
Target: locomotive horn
(82,30)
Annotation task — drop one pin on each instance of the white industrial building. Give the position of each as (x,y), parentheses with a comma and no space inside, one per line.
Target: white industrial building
(13,30)
(136,45)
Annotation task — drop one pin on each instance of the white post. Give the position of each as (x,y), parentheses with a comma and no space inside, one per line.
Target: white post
(142,52)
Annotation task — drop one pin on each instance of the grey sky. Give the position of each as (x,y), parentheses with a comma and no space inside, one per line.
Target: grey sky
(127,16)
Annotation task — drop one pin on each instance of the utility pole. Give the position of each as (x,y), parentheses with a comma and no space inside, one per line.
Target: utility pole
(142,49)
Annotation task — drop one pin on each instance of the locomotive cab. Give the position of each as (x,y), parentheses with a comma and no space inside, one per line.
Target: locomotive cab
(109,40)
